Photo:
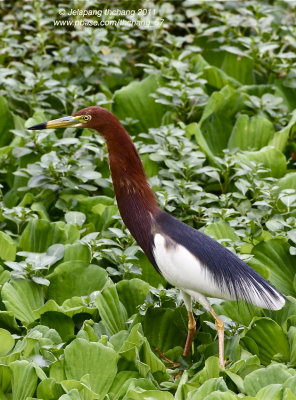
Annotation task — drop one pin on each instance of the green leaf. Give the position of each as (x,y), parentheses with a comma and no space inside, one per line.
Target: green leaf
(100,210)
(134,101)
(287,182)
(165,328)
(281,137)
(287,313)
(218,78)
(271,392)
(75,278)
(49,389)
(149,273)
(273,256)
(22,297)
(194,130)
(70,307)
(238,66)
(70,385)
(291,383)
(57,370)
(130,350)
(211,385)
(94,359)
(112,311)
(121,383)
(5,379)
(37,118)
(41,331)
(6,123)
(132,293)
(73,394)
(245,365)
(7,321)
(217,119)
(24,379)
(41,234)
(4,275)
(282,89)
(240,312)
(292,342)
(261,378)
(221,230)
(236,51)
(212,367)
(218,395)
(217,102)
(63,324)
(94,204)
(245,133)
(270,339)
(151,167)
(142,394)
(77,252)
(151,359)
(214,76)
(270,157)
(237,380)
(7,247)
(56,251)
(75,218)
(6,342)
(136,344)
(40,209)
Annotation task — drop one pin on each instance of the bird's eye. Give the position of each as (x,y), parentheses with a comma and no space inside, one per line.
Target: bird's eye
(85,118)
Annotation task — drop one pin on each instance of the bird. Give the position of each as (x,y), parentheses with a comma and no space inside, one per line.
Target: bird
(197,265)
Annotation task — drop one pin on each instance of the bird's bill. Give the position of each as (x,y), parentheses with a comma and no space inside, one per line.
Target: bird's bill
(74,122)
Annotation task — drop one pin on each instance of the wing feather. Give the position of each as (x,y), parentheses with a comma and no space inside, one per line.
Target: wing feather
(227,270)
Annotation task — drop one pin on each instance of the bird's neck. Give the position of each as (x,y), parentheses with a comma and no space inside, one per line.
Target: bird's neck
(136,200)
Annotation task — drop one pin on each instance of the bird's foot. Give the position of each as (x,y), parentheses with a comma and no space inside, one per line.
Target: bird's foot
(178,374)
(172,364)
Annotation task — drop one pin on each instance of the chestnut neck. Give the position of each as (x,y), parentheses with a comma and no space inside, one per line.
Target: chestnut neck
(136,200)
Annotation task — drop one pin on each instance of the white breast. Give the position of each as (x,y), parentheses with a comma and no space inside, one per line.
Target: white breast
(183,270)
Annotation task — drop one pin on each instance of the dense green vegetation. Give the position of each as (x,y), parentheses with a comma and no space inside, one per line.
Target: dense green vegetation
(208,96)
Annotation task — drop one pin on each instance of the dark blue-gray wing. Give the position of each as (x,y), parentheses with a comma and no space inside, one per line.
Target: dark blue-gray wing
(226,269)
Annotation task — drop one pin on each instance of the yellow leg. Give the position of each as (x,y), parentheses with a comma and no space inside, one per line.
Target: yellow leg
(220,328)
(190,334)
(188,296)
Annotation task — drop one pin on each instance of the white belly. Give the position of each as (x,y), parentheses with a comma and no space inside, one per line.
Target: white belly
(183,270)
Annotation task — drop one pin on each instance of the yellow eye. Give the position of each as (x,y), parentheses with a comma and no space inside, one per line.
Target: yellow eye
(85,118)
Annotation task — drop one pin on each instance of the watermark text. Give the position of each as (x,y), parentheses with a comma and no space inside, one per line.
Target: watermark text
(145,18)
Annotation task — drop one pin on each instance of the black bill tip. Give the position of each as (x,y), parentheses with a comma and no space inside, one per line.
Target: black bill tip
(38,126)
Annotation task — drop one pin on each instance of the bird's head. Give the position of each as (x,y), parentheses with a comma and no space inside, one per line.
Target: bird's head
(93,117)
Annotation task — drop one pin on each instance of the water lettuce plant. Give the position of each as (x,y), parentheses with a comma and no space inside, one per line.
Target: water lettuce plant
(209,98)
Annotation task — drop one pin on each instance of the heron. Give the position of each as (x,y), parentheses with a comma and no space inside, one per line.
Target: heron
(188,259)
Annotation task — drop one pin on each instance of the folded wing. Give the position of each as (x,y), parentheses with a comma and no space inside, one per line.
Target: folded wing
(192,260)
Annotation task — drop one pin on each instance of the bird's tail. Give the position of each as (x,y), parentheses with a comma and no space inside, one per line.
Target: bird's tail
(248,285)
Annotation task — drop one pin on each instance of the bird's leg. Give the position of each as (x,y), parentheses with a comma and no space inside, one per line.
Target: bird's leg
(190,334)
(173,364)
(191,323)
(220,328)
(219,323)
